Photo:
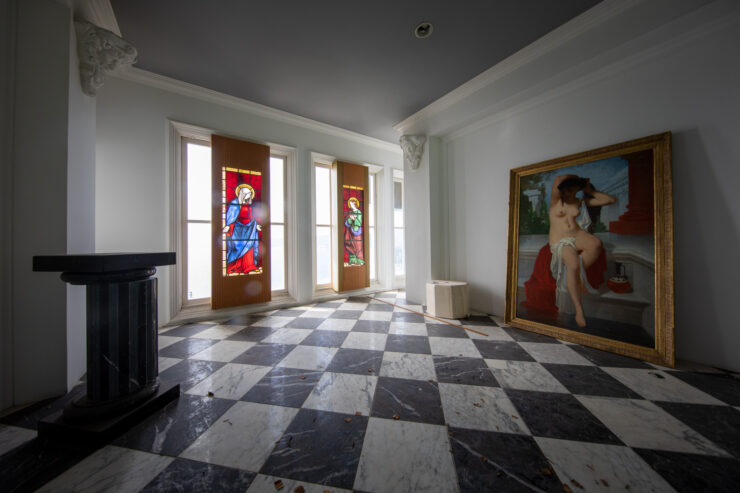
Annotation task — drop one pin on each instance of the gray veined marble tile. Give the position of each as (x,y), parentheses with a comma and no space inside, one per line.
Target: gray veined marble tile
(642,424)
(309,357)
(266,484)
(109,469)
(447,346)
(554,353)
(14,436)
(480,408)
(524,375)
(231,381)
(408,328)
(219,332)
(343,393)
(365,340)
(165,363)
(491,333)
(352,306)
(408,365)
(337,324)
(402,456)
(223,351)
(164,341)
(657,385)
(317,313)
(243,437)
(601,467)
(274,322)
(373,315)
(287,336)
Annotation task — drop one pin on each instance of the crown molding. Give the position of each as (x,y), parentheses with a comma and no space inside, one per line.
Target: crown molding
(580,24)
(98,12)
(168,84)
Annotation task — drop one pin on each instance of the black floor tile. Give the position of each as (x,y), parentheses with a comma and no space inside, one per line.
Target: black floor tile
(189,372)
(464,371)
(319,447)
(173,428)
(346,314)
(559,416)
(502,350)
(358,299)
(602,358)
(189,476)
(723,387)
(379,307)
(264,354)
(186,347)
(251,334)
(490,461)
(244,319)
(376,326)
(304,323)
(590,380)
(327,338)
(289,312)
(720,424)
(409,317)
(521,335)
(694,473)
(480,320)
(328,304)
(410,400)
(187,330)
(444,330)
(408,344)
(284,387)
(29,416)
(357,361)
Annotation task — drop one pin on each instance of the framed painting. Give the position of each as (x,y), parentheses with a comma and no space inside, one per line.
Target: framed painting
(591,249)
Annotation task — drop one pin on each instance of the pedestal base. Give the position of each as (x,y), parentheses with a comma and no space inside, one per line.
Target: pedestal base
(103,430)
(448,299)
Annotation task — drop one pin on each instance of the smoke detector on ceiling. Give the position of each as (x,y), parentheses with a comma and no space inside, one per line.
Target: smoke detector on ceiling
(423,30)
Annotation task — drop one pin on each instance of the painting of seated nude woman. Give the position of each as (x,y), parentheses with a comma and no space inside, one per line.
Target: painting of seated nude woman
(585,246)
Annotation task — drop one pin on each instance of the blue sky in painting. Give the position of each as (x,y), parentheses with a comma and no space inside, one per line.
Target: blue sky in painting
(599,172)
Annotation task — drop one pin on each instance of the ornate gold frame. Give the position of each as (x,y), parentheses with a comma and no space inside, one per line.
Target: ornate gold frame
(664,351)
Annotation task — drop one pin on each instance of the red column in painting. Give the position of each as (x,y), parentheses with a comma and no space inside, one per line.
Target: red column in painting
(639,218)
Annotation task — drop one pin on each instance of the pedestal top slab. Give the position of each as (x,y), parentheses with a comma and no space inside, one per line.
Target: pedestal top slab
(101,262)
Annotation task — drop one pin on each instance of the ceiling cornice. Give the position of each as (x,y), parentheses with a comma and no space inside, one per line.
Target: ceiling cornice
(588,20)
(151,79)
(98,12)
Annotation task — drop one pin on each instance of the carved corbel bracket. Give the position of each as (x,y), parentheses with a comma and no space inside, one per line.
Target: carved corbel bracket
(100,52)
(413,148)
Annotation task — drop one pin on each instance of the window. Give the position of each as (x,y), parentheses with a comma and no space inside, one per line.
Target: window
(323,225)
(399,255)
(197,219)
(372,230)
(277,223)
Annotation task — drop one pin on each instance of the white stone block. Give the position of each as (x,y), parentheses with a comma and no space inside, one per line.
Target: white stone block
(447,299)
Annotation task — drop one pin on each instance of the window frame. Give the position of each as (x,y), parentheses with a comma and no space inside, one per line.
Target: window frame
(278,155)
(398,178)
(321,162)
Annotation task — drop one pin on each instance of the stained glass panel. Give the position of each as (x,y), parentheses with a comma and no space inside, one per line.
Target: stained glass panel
(242,218)
(354,207)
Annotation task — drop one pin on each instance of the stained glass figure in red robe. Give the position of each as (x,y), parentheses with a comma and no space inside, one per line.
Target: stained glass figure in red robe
(242,233)
(353,244)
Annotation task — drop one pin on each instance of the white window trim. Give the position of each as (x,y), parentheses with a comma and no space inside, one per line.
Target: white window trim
(180,130)
(398,177)
(323,160)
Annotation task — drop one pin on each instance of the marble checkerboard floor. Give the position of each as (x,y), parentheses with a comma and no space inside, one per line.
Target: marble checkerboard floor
(361,395)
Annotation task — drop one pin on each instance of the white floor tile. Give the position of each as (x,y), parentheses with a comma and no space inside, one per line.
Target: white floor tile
(452,346)
(14,436)
(287,336)
(657,385)
(365,340)
(231,381)
(379,316)
(352,306)
(109,469)
(343,393)
(317,313)
(554,353)
(341,324)
(165,363)
(219,332)
(480,408)
(223,351)
(600,467)
(642,424)
(491,333)
(401,456)
(243,437)
(408,329)
(272,322)
(164,341)
(309,357)
(407,365)
(524,375)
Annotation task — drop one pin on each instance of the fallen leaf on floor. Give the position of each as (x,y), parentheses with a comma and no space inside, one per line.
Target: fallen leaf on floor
(210,394)
(567,488)
(278,485)
(576,484)
(300,489)
(396,416)
(347,420)
(603,481)
(483,458)
(430,381)
(590,466)
(370,370)
(358,413)
(476,404)
(545,471)
(303,377)
(515,417)
(498,474)
(227,421)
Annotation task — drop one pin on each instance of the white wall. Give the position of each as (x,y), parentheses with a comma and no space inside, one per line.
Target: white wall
(684,78)
(132,181)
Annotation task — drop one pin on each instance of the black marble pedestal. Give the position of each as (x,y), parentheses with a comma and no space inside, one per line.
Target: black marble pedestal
(122,355)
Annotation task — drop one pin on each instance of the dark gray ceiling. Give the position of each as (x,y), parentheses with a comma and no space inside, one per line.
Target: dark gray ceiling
(353,64)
